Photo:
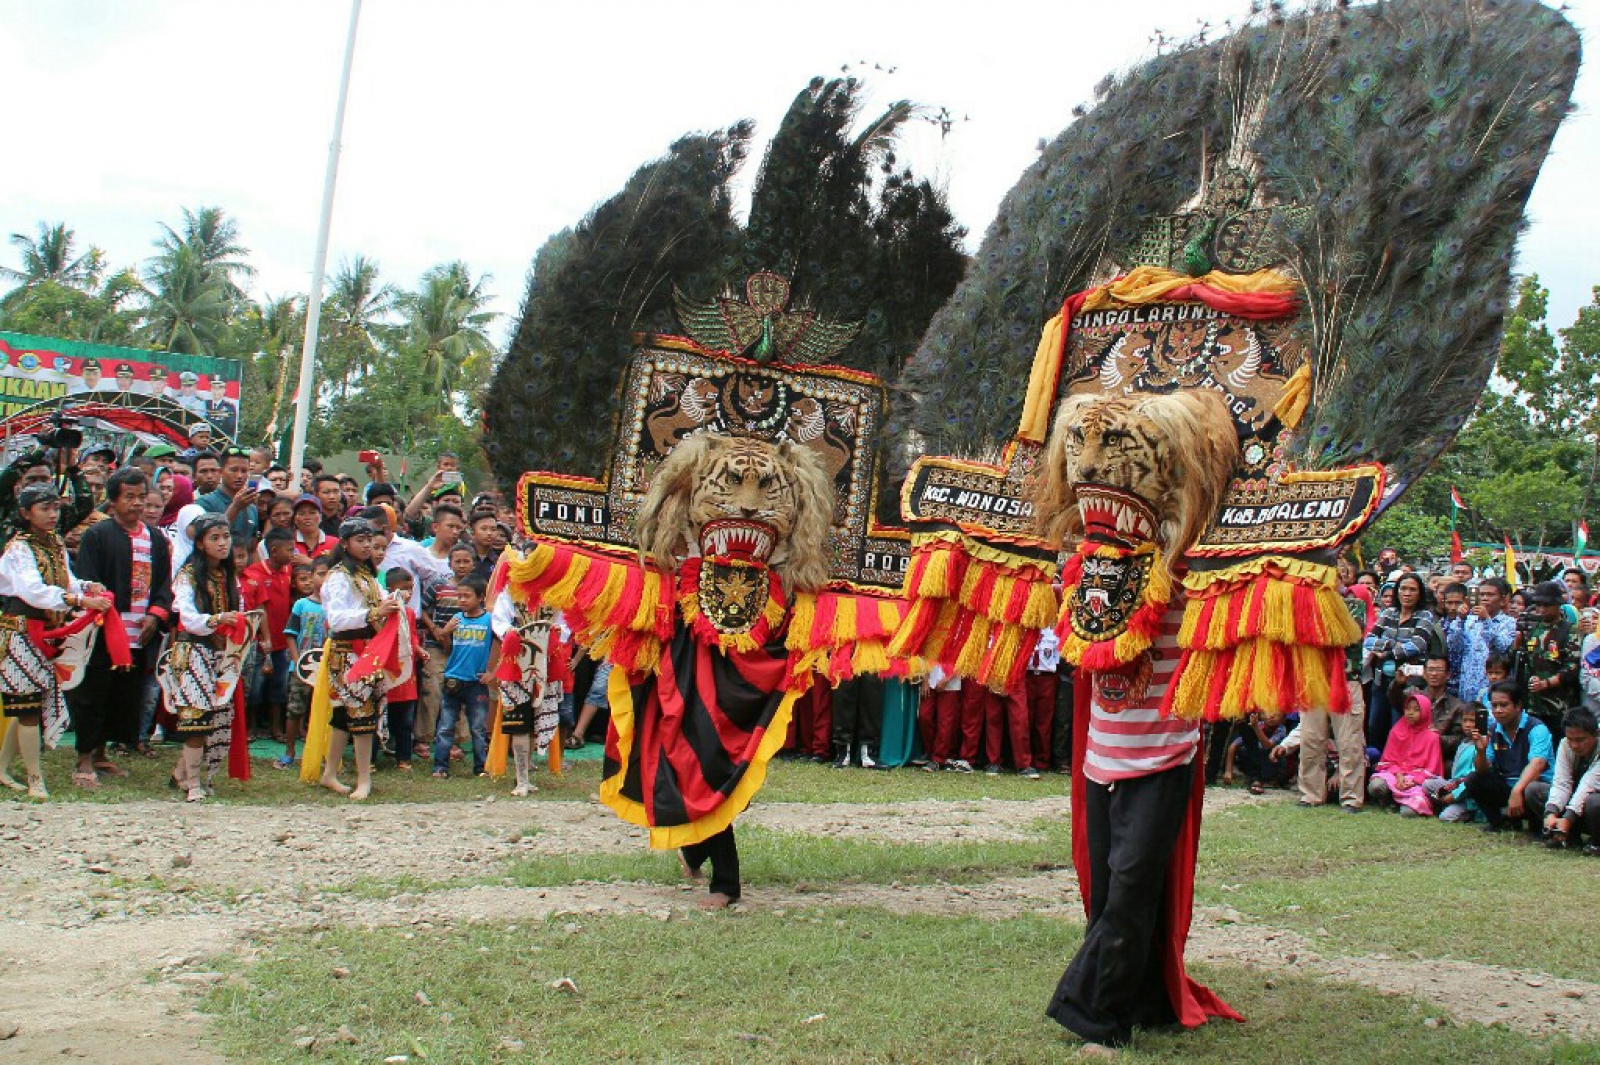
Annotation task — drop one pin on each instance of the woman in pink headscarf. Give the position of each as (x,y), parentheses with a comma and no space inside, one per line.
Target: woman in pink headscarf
(1410,757)
(182,496)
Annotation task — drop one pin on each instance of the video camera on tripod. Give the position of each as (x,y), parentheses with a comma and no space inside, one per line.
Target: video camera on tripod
(64,433)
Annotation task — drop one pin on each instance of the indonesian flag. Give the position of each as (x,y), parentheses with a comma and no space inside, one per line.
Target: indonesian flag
(1511,565)
(1583,537)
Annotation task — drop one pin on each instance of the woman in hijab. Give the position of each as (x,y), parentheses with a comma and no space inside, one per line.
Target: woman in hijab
(178,533)
(182,494)
(1411,757)
(1401,641)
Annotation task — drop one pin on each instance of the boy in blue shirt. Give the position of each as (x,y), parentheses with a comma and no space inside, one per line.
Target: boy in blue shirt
(468,639)
(307,630)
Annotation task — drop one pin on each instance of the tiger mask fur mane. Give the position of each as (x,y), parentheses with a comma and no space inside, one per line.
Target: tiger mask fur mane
(710,477)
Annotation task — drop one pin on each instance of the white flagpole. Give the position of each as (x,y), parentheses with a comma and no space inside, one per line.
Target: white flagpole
(304,397)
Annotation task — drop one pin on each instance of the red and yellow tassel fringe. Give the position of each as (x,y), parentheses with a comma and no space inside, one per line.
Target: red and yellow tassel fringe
(1108,656)
(975,610)
(1267,635)
(617,609)
(844,634)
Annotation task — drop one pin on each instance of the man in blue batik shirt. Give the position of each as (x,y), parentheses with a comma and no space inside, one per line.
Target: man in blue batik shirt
(1488,630)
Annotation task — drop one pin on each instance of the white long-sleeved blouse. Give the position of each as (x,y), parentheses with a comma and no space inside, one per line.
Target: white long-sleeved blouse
(20,577)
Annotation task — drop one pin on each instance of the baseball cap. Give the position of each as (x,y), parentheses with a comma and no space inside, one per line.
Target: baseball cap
(160,451)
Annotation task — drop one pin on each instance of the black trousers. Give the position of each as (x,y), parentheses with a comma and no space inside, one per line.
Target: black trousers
(858,711)
(723,853)
(1491,792)
(1586,826)
(1114,983)
(1061,727)
(106,703)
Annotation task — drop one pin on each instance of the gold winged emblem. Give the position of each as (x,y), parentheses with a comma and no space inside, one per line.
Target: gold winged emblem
(759,327)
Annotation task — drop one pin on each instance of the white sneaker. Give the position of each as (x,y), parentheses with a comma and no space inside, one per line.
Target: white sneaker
(958,765)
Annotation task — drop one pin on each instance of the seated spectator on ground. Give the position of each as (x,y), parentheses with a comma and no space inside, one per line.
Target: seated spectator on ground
(1251,753)
(1572,805)
(1449,796)
(1512,756)
(1411,758)
(1447,709)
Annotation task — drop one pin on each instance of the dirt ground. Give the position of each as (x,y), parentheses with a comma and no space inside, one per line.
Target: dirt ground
(112,913)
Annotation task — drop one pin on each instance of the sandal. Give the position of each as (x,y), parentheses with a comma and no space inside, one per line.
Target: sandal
(1257,788)
(85,780)
(110,769)
(575,743)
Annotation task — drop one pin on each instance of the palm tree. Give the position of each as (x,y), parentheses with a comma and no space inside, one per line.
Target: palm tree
(215,239)
(445,323)
(188,306)
(355,310)
(49,258)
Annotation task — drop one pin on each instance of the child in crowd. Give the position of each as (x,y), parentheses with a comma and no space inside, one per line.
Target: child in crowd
(1496,669)
(403,697)
(439,604)
(267,585)
(205,595)
(467,638)
(307,630)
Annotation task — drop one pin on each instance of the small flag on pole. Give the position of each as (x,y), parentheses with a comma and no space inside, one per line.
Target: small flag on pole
(1455,499)
(1511,565)
(1583,538)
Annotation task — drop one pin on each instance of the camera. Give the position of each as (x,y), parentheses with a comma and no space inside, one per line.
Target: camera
(63,433)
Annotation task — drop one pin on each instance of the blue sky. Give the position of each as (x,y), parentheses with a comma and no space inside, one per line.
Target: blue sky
(477,129)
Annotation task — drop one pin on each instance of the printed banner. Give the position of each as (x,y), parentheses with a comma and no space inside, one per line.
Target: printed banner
(36,369)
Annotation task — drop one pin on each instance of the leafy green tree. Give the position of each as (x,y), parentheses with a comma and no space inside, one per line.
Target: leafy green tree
(50,258)
(356,311)
(187,306)
(445,323)
(102,315)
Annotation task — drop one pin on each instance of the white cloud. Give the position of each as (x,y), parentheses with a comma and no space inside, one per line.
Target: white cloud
(477,129)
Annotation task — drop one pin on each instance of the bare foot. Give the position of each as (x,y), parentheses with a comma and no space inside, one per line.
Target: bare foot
(715,901)
(1097,1050)
(361,792)
(195,794)
(8,781)
(521,790)
(333,785)
(688,873)
(36,789)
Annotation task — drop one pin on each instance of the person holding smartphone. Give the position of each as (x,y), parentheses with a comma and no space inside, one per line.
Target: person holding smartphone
(446,476)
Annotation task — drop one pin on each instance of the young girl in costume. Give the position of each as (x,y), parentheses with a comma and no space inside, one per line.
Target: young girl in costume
(205,594)
(356,609)
(37,590)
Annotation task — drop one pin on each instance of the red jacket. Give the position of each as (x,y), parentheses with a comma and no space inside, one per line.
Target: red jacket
(407,692)
(264,587)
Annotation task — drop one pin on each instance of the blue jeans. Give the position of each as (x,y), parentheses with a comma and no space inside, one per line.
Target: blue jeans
(472,698)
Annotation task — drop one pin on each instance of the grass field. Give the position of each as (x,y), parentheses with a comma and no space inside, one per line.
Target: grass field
(824,977)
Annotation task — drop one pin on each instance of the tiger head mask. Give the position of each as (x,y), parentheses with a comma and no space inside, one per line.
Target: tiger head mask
(1148,467)
(772,502)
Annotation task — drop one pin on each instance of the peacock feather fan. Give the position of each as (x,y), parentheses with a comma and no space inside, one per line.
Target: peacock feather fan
(1409,133)
(858,238)
(552,403)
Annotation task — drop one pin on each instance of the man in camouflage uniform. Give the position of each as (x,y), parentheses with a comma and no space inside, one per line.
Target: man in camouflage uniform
(1549,649)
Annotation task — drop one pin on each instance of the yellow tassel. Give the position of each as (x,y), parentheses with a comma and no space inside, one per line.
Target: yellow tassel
(1278,619)
(1191,621)
(869,658)
(936,579)
(943,626)
(1217,635)
(889,615)
(969,583)
(1194,682)
(844,622)
(1236,696)
(805,615)
(644,619)
(561,592)
(1043,606)
(969,661)
(1341,628)
(1007,645)
(1311,667)
(532,565)
(606,601)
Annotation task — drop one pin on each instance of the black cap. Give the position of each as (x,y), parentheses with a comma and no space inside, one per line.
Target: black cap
(1547,593)
(88,363)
